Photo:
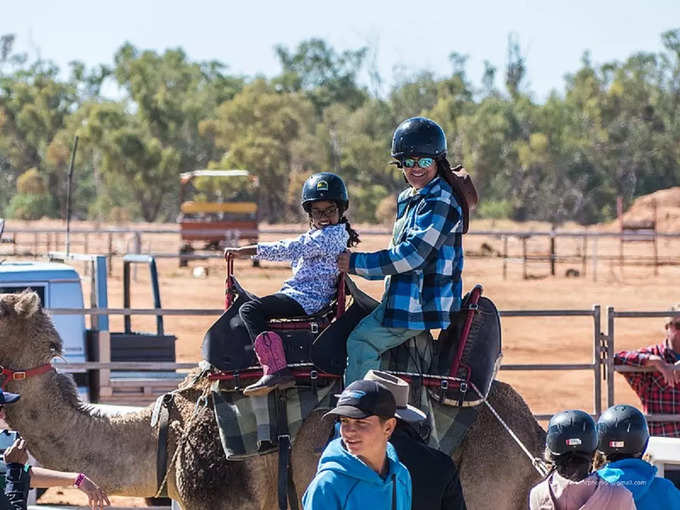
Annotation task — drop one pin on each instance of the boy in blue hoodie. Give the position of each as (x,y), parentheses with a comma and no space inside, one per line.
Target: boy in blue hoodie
(623,436)
(360,469)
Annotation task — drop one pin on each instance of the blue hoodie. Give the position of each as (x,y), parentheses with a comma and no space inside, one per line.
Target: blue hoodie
(343,482)
(649,491)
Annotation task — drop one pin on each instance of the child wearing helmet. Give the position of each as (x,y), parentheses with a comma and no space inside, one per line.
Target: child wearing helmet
(423,264)
(623,436)
(571,444)
(315,274)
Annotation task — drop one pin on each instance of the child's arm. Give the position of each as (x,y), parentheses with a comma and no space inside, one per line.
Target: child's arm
(326,241)
(242,252)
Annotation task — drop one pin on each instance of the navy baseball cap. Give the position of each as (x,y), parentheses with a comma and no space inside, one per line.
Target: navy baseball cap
(365,398)
(8,398)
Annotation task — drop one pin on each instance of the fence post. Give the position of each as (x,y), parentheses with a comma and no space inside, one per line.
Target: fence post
(595,258)
(110,253)
(524,256)
(610,356)
(104,348)
(597,368)
(138,249)
(584,260)
(505,257)
(552,253)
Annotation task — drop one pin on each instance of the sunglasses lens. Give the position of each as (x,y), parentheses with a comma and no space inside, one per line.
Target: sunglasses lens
(425,162)
(409,163)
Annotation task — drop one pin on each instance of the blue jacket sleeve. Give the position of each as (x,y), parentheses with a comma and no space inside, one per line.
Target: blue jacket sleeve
(435,219)
(322,494)
(16,486)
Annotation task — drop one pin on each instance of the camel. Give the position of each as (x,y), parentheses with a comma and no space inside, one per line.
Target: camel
(119,452)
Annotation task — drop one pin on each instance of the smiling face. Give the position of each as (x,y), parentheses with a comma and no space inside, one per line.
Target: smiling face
(324,213)
(419,177)
(367,438)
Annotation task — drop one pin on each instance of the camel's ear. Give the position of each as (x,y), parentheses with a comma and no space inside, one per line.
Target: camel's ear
(28,304)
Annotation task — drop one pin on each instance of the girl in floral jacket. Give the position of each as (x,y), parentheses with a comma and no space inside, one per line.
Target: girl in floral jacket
(315,275)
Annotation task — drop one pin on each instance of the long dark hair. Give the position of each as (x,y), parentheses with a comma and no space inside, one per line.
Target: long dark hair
(353,235)
(572,465)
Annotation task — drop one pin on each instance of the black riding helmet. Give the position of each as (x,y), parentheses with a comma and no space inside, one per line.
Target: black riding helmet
(622,429)
(420,137)
(324,186)
(571,432)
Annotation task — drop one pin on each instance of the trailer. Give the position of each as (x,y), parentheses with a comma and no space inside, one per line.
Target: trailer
(218,208)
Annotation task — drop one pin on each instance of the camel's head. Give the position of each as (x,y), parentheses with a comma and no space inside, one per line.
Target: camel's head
(27,336)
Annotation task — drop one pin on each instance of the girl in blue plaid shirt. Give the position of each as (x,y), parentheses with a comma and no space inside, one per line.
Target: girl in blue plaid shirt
(422,266)
(315,275)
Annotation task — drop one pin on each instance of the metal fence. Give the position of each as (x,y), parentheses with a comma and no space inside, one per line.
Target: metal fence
(594,365)
(601,364)
(112,241)
(612,369)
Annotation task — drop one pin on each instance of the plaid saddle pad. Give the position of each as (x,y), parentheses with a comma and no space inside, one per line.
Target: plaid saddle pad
(447,425)
(245,423)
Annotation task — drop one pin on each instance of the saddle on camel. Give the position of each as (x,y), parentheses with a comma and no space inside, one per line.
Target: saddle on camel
(449,376)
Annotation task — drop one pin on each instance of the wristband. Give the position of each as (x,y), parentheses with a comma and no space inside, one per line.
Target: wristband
(79,480)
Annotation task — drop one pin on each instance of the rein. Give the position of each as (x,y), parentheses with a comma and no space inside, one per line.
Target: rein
(8,374)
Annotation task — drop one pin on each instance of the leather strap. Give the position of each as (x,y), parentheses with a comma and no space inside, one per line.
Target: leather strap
(162,449)
(19,375)
(287,494)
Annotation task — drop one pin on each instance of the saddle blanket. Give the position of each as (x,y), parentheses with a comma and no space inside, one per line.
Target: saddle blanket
(244,423)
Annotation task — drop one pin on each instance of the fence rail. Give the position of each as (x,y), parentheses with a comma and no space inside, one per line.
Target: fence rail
(612,369)
(588,255)
(603,347)
(105,366)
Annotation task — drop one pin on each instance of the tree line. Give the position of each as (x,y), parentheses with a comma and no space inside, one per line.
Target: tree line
(613,131)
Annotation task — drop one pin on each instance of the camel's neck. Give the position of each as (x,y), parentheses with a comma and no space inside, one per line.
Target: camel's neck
(62,433)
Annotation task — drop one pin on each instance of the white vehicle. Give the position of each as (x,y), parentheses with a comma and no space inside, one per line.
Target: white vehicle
(664,453)
(59,286)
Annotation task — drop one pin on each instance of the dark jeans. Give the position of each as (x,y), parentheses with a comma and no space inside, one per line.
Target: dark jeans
(257,312)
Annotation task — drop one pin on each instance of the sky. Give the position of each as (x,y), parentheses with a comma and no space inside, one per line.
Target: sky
(405,37)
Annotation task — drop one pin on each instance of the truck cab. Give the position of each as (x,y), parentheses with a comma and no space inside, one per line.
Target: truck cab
(58,286)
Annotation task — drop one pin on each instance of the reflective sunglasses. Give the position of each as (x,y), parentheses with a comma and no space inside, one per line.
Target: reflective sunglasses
(317,214)
(422,162)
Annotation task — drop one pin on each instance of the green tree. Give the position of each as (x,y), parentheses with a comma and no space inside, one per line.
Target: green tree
(257,129)
(326,76)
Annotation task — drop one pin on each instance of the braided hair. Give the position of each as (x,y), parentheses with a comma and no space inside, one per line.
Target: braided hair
(572,465)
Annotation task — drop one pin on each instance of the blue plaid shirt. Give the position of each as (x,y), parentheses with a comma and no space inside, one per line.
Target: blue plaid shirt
(424,262)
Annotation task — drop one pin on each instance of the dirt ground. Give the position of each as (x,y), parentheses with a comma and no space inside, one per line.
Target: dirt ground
(525,340)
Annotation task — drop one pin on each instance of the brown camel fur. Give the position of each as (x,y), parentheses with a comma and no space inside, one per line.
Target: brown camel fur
(119,452)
